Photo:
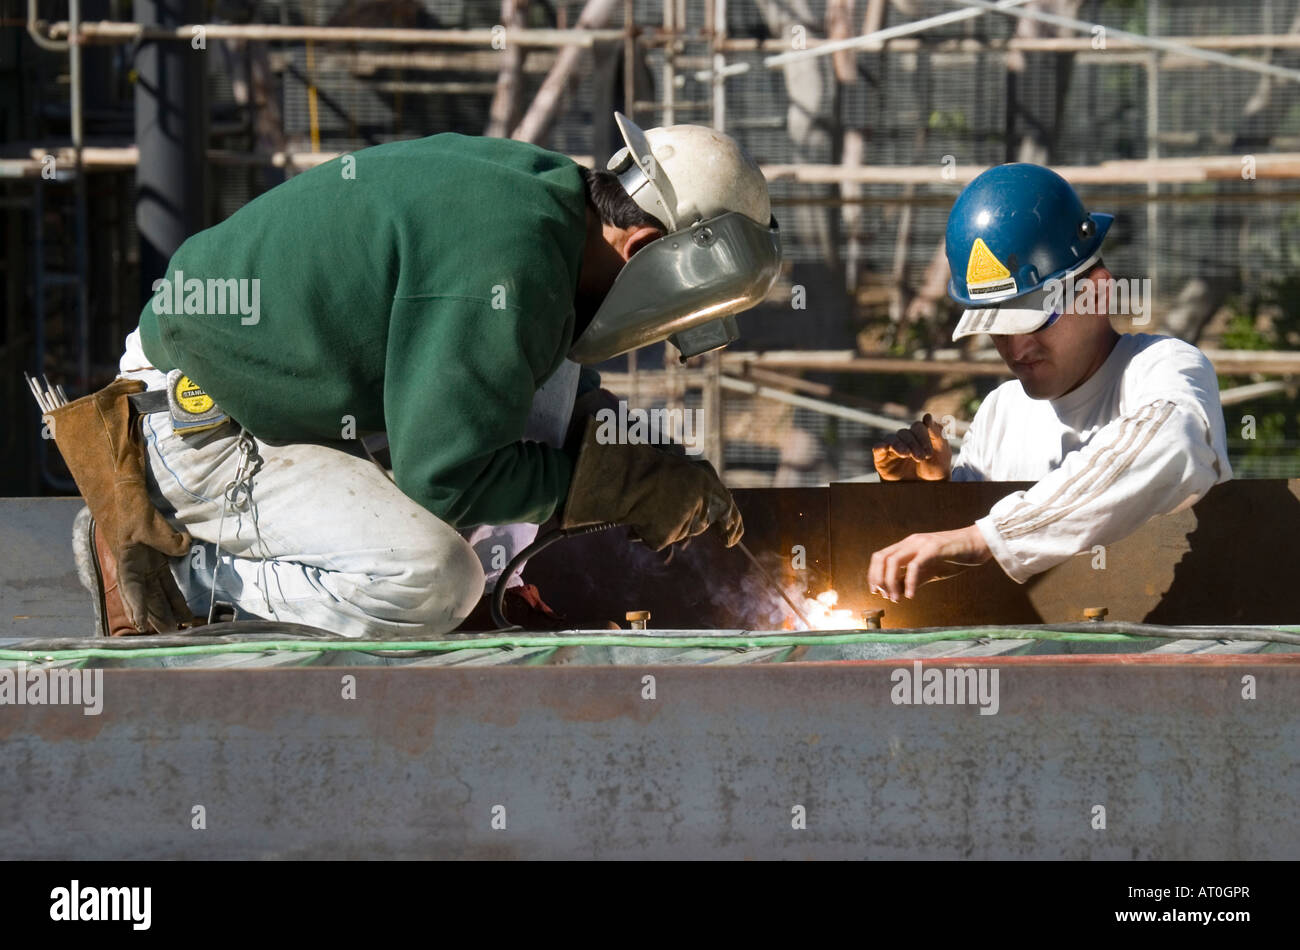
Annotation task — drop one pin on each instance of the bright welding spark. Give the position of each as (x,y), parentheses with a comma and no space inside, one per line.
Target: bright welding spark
(824,615)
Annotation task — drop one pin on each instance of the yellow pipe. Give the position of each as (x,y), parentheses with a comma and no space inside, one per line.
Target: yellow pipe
(312,115)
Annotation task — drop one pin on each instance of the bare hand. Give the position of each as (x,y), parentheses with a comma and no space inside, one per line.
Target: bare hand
(918,452)
(901,568)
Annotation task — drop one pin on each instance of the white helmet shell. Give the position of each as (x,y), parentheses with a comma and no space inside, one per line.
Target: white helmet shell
(683,174)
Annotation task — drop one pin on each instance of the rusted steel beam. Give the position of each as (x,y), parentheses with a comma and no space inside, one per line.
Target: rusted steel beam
(578,763)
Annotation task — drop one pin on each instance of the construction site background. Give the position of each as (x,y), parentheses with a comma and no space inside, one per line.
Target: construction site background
(1176,145)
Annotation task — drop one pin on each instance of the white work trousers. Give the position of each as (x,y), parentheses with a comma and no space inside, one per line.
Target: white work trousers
(326,538)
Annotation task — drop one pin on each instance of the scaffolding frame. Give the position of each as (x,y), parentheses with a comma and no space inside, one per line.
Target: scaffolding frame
(713,374)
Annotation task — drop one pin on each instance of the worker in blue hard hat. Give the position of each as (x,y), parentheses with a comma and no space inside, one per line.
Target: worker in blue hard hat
(1113,428)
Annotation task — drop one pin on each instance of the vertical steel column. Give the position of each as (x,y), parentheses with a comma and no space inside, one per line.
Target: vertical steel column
(674,26)
(713,411)
(716,39)
(629,109)
(80,259)
(670,55)
(171,129)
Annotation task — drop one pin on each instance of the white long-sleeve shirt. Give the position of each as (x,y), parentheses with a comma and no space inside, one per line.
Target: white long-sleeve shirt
(1144,436)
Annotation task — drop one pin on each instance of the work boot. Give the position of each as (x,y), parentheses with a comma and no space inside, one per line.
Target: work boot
(97,571)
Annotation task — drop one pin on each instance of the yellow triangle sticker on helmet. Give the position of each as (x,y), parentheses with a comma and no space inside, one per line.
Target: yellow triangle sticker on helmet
(983,266)
(986,276)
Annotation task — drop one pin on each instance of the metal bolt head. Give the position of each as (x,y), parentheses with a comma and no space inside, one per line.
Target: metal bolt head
(1095,613)
(702,236)
(638,618)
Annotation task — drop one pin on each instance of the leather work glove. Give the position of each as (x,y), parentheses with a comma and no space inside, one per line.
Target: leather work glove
(101,444)
(585,407)
(152,599)
(664,498)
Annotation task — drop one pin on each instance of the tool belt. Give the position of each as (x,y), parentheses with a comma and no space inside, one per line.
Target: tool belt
(154,400)
(192,410)
(100,439)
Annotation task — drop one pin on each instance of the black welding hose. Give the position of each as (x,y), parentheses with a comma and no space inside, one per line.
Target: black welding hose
(545,541)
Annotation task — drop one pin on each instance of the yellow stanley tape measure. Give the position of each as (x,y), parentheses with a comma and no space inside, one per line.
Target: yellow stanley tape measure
(192,409)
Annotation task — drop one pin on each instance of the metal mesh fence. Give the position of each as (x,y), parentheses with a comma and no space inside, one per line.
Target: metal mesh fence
(916,105)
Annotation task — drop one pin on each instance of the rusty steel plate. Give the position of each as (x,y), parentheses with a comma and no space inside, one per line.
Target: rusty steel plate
(720,763)
(1226,560)
(594,579)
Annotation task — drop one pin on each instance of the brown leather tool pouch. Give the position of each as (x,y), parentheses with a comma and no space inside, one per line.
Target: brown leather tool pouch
(100,440)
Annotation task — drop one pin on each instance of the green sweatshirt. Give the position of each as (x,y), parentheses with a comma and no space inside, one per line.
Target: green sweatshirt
(422,287)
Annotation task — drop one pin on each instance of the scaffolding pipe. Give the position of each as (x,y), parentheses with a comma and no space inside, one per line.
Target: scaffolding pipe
(670,69)
(868,40)
(1032,44)
(874,40)
(1240,394)
(973,8)
(713,390)
(870,419)
(1148,42)
(34,31)
(1226,362)
(1153,147)
(541,113)
(1282,166)
(81,254)
(109,31)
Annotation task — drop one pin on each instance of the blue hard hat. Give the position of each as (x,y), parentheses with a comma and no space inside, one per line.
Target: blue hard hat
(1011,230)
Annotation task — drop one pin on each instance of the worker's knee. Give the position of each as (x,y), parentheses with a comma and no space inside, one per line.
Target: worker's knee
(460,577)
(437,586)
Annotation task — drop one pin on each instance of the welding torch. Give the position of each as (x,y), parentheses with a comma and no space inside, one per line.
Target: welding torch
(771,581)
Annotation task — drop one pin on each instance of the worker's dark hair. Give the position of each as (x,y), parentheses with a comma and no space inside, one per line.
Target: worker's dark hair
(613,205)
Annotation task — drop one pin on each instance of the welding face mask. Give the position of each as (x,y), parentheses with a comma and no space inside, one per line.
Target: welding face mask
(721,255)
(685,287)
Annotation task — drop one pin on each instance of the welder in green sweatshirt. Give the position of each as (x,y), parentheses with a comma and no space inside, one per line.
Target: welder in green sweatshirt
(443,291)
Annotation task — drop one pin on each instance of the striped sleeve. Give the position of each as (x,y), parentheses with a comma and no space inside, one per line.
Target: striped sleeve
(1150,462)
